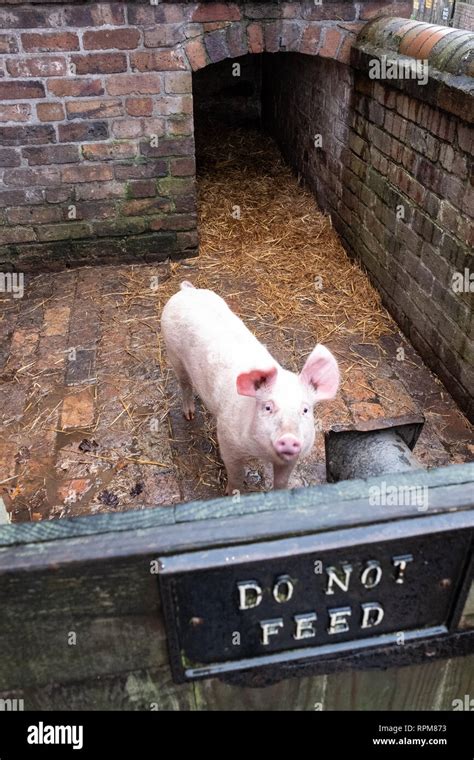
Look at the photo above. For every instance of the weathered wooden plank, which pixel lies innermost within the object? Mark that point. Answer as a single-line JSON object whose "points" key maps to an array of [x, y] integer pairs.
{"points": [[360, 535], [137, 690], [113, 607], [249, 504], [66, 649], [294, 694], [106, 588], [329, 493], [52, 530], [430, 686], [453, 503]]}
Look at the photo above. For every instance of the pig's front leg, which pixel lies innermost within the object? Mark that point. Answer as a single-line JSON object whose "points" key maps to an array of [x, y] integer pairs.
{"points": [[234, 465], [235, 474], [281, 474]]}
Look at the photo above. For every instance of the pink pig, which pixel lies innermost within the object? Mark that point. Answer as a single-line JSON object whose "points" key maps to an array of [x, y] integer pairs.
{"points": [[262, 410]]}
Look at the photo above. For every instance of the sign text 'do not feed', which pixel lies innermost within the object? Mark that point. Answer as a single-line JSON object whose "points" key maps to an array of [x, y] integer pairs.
{"points": [[249, 606]]}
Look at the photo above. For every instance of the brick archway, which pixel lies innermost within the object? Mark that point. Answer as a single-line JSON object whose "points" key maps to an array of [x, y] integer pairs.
{"points": [[98, 112], [232, 37]]}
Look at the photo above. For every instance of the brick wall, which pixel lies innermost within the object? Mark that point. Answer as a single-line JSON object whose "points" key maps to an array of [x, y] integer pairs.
{"points": [[394, 173], [463, 16], [97, 142], [96, 128]]}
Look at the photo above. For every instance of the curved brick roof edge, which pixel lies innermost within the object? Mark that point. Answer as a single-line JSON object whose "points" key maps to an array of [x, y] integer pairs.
{"points": [[446, 49]]}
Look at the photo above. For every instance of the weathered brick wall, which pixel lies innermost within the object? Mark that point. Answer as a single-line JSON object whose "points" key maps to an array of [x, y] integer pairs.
{"points": [[394, 174], [97, 142], [96, 129], [85, 88], [304, 98], [463, 17]]}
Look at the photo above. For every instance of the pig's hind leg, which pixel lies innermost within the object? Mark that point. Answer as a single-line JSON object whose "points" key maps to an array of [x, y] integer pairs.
{"points": [[187, 393]]}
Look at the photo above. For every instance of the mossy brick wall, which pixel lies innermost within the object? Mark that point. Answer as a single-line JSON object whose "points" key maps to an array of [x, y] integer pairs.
{"points": [[419, 159], [393, 171], [84, 88]]}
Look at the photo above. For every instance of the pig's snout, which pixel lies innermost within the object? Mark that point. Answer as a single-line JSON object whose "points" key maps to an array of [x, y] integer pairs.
{"points": [[287, 446]]}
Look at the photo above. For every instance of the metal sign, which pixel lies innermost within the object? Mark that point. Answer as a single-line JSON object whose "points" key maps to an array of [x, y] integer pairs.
{"points": [[305, 598], [263, 604]]}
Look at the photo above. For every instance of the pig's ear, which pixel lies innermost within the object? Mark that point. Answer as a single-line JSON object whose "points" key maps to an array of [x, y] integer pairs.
{"points": [[321, 373], [248, 383]]}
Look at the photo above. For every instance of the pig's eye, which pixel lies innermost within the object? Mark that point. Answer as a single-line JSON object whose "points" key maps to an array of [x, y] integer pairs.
{"points": [[305, 409], [269, 407]]}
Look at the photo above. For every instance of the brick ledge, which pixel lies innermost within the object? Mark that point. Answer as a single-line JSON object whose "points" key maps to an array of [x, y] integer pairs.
{"points": [[449, 53]]}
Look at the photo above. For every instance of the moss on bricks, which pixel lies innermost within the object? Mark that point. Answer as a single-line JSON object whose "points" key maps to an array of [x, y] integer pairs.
{"points": [[170, 186]]}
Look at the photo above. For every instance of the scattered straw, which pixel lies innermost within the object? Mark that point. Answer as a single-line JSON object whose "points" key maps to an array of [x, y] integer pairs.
{"points": [[267, 248], [281, 260]]}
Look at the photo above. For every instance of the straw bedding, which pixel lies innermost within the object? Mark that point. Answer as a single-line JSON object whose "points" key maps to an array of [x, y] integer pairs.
{"points": [[266, 246]]}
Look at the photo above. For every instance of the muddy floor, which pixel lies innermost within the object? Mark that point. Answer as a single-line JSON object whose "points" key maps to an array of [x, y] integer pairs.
{"points": [[90, 416]]}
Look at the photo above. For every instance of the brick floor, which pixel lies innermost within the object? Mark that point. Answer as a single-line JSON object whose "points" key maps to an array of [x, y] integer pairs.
{"points": [[91, 420]]}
